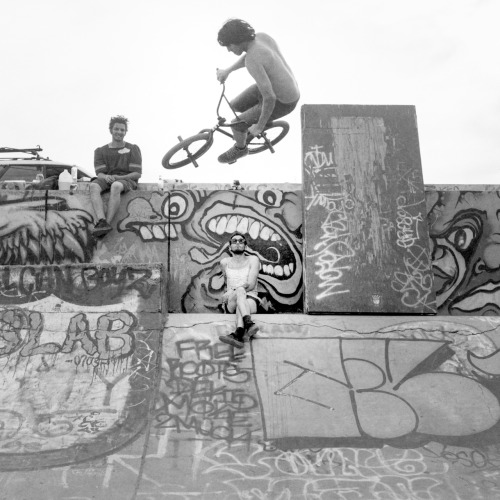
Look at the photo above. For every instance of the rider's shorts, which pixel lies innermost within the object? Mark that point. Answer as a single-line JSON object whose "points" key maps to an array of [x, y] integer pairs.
{"points": [[252, 98], [281, 109]]}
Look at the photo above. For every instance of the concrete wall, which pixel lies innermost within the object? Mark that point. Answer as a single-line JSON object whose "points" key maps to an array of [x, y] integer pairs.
{"points": [[55, 228], [185, 229], [103, 395]]}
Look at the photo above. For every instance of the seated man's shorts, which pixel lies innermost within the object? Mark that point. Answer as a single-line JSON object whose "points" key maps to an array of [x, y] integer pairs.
{"points": [[128, 184]]}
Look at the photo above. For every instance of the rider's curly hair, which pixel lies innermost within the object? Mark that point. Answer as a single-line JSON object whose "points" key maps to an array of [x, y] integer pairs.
{"points": [[118, 119], [235, 31]]}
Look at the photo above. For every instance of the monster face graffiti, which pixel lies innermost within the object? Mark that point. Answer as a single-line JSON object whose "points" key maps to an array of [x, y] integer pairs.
{"points": [[38, 229], [270, 219], [465, 238]]}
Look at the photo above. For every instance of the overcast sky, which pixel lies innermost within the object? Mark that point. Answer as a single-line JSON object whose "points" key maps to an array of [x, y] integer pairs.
{"points": [[67, 66]]}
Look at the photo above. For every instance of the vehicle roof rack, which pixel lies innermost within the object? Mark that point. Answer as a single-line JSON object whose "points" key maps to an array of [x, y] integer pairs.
{"points": [[32, 151]]}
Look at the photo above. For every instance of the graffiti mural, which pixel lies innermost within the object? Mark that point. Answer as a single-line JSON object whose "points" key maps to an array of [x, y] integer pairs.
{"points": [[42, 228], [84, 284], [67, 399], [78, 357], [204, 389], [317, 407], [364, 211], [465, 242], [193, 227], [328, 407]]}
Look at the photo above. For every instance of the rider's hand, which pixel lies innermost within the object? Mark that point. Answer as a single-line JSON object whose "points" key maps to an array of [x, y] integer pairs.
{"points": [[222, 75], [255, 130]]}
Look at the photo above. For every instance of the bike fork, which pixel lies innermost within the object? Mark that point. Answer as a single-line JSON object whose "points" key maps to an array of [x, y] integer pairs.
{"points": [[188, 153]]}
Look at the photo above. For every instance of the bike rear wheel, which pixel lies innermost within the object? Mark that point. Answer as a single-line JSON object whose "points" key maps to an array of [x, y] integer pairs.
{"points": [[275, 131], [182, 154]]}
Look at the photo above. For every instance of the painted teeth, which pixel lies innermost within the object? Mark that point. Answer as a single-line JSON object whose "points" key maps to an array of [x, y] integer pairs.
{"points": [[157, 232], [232, 224], [228, 225], [277, 270], [265, 233], [242, 226], [254, 230], [221, 225]]}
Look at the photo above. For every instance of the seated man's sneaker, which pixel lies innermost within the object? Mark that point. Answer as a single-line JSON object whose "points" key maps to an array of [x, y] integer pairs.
{"points": [[231, 339], [101, 228], [233, 154]]}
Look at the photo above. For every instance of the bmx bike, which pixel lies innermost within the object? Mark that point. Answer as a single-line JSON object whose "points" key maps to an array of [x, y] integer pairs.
{"points": [[190, 149]]}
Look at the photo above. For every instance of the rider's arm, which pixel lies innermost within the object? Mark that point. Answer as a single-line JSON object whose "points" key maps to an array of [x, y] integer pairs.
{"points": [[259, 74], [222, 74]]}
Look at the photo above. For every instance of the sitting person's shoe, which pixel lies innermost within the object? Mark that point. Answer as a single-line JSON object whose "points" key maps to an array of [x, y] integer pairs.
{"points": [[101, 228], [250, 330], [233, 154], [232, 339]]}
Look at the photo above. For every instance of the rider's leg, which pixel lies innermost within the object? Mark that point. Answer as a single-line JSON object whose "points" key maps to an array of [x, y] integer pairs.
{"points": [[249, 98], [246, 105]]}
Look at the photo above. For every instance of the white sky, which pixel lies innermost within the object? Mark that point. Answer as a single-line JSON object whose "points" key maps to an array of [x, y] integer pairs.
{"points": [[67, 66]]}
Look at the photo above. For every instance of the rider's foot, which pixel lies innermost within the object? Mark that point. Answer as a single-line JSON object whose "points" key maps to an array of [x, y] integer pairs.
{"points": [[233, 154]]}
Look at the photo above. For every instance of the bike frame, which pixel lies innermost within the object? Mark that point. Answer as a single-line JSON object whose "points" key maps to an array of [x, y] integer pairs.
{"points": [[208, 133], [221, 121]]}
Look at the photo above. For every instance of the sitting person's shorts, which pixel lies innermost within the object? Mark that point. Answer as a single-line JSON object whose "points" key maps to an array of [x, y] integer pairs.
{"points": [[128, 184]]}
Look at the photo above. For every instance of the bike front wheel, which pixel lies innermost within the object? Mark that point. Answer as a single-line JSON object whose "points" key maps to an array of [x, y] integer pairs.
{"points": [[275, 131], [188, 150]]}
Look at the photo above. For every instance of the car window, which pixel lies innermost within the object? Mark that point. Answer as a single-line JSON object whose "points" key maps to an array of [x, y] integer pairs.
{"points": [[51, 171], [18, 173]]}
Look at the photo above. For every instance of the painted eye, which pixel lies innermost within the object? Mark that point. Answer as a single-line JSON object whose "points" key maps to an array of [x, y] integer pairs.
{"points": [[270, 197], [462, 238], [176, 207]]}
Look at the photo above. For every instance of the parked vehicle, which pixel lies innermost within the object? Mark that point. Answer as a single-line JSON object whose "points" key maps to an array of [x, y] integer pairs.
{"points": [[26, 168]]}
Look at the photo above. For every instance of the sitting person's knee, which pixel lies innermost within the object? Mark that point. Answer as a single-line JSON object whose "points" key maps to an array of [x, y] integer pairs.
{"points": [[116, 187], [95, 187]]}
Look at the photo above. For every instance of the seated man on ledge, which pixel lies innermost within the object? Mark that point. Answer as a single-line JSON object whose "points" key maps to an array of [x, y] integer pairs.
{"points": [[275, 92], [240, 273], [118, 166]]}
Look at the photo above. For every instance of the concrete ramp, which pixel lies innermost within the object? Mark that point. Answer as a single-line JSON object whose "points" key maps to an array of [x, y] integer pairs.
{"points": [[316, 407]]}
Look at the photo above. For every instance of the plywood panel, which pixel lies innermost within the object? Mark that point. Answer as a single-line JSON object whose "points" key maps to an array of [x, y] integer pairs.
{"points": [[366, 241]]}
